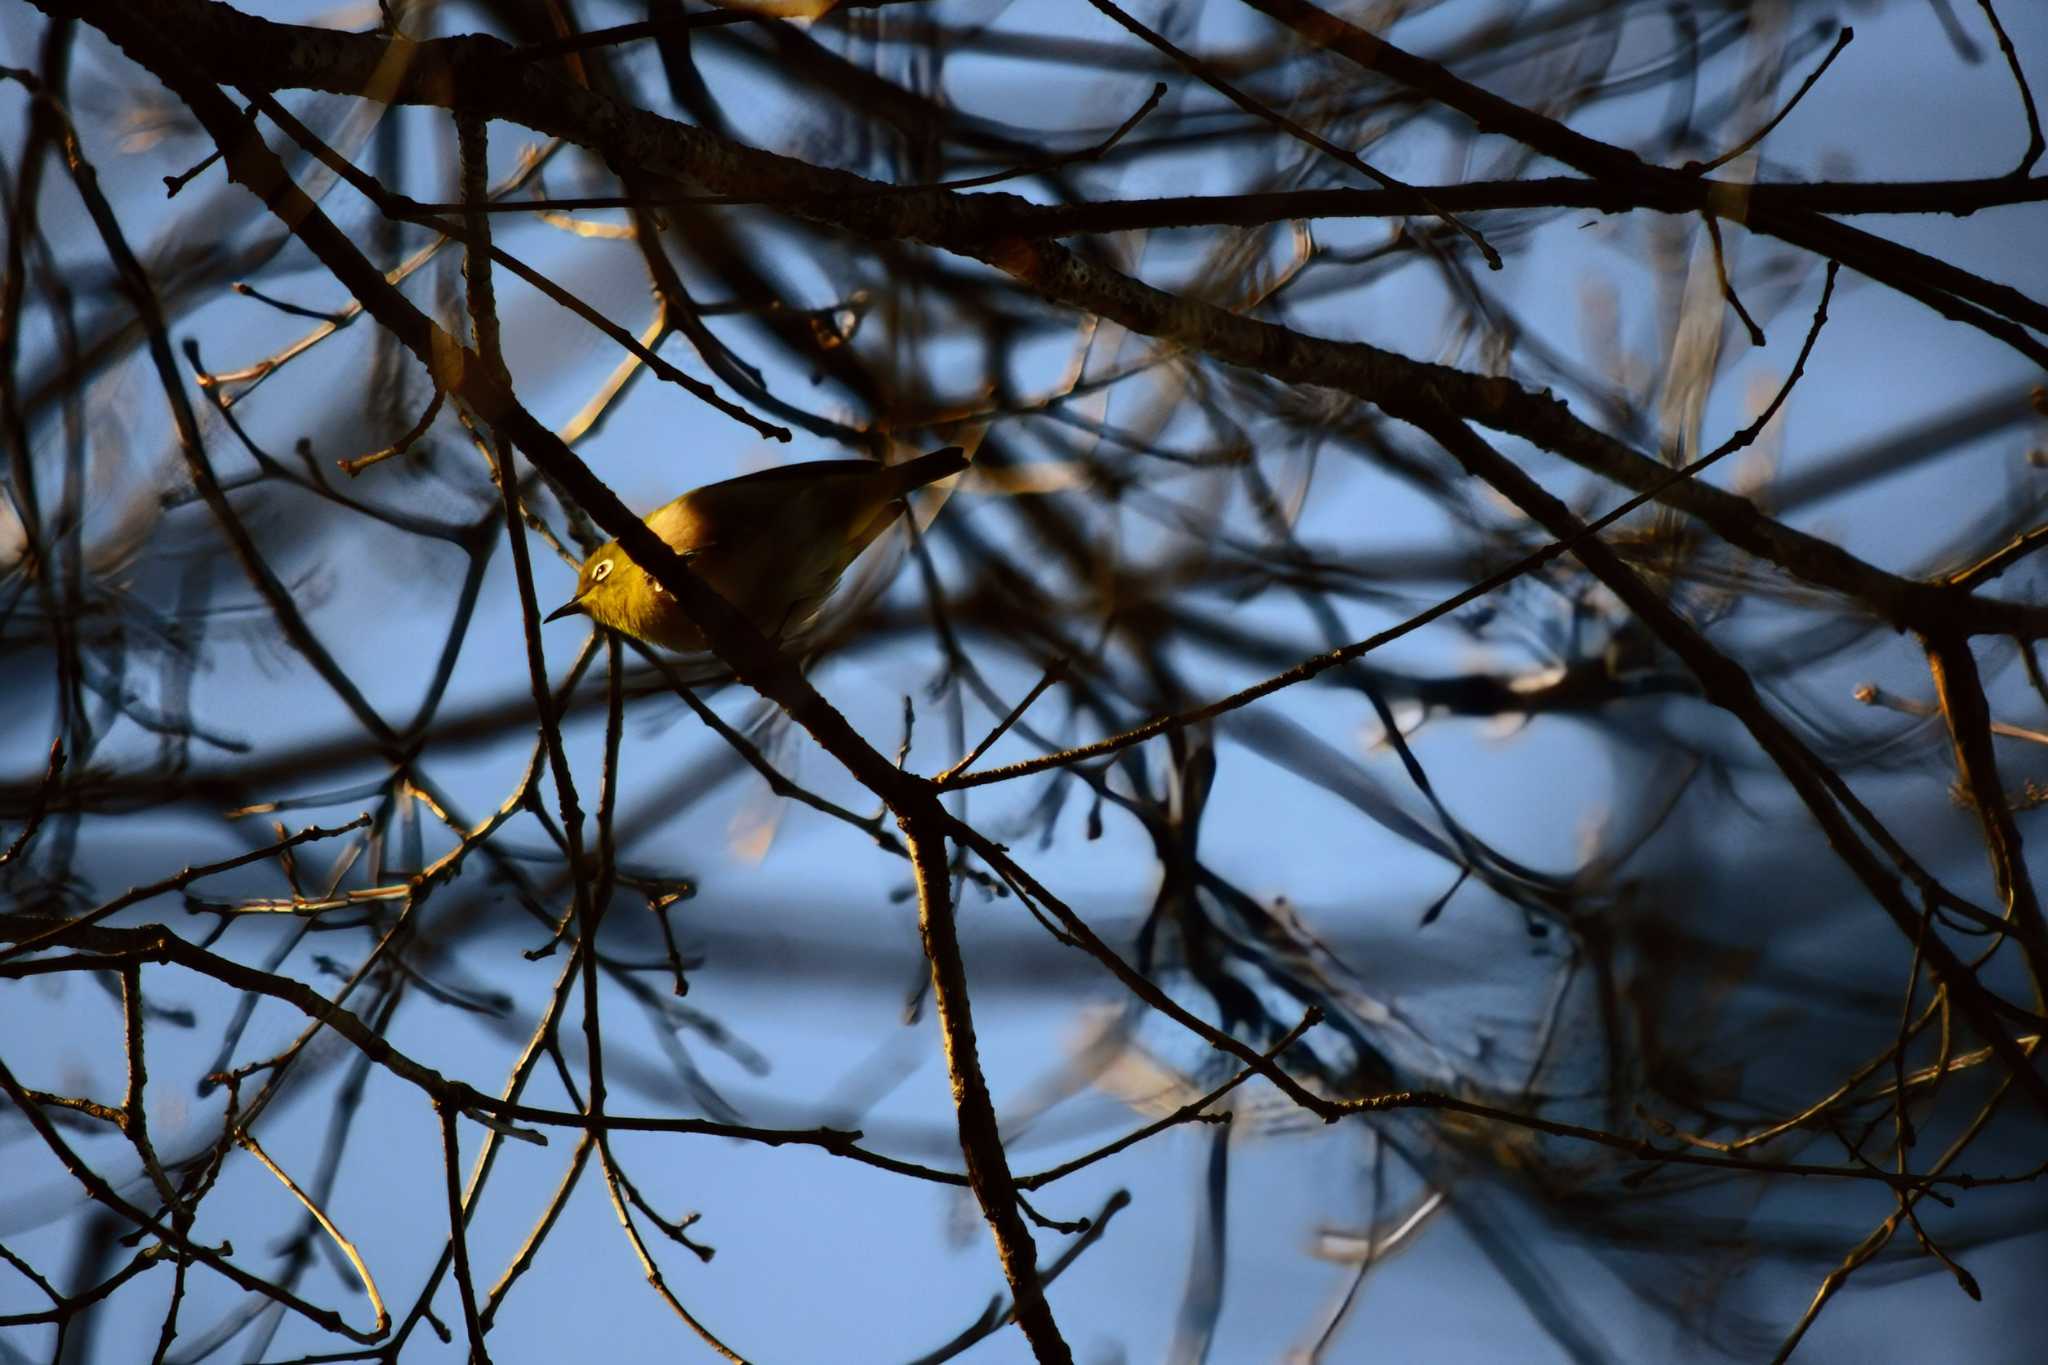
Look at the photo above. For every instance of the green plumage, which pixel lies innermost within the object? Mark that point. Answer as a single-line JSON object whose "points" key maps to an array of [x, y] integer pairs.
{"points": [[773, 544]]}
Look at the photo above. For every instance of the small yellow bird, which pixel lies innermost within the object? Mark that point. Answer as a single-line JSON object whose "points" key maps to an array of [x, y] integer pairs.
{"points": [[773, 544]]}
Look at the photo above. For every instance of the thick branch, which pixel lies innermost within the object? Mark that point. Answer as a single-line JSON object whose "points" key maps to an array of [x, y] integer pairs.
{"points": [[981, 1140]]}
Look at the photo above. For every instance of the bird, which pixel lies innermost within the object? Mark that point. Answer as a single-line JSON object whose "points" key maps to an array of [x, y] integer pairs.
{"points": [[773, 544]]}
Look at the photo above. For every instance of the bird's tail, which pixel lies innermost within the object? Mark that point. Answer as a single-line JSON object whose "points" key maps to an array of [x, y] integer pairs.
{"points": [[913, 474]]}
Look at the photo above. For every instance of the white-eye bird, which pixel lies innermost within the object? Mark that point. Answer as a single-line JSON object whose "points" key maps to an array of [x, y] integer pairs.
{"points": [[773, 544]]}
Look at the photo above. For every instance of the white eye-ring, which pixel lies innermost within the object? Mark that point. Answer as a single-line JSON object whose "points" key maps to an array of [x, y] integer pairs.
{"points": [[602, 571]]}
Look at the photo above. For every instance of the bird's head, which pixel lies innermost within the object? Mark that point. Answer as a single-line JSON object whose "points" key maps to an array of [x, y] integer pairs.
{"points": [[611, 590]]}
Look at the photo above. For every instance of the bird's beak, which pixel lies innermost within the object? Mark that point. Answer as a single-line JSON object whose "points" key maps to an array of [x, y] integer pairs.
{"points": [[568, 608]]}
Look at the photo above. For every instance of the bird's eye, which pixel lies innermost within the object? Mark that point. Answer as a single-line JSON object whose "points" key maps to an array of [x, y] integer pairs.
{"points": [[602, 571]]}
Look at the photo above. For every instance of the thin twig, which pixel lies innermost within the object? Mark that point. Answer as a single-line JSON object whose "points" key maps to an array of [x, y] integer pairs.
{"points": [[140, 894], [1842, 40], [2035, 145], [2001, 559], [1193, 1110], [39, 804], [465, 1283], [1756, 333], [247, 1142], [357, 465], [1053, 674], [997, 1315]]}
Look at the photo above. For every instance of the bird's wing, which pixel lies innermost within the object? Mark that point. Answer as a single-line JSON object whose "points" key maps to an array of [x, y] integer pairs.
{"points": [[689, 524]]}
